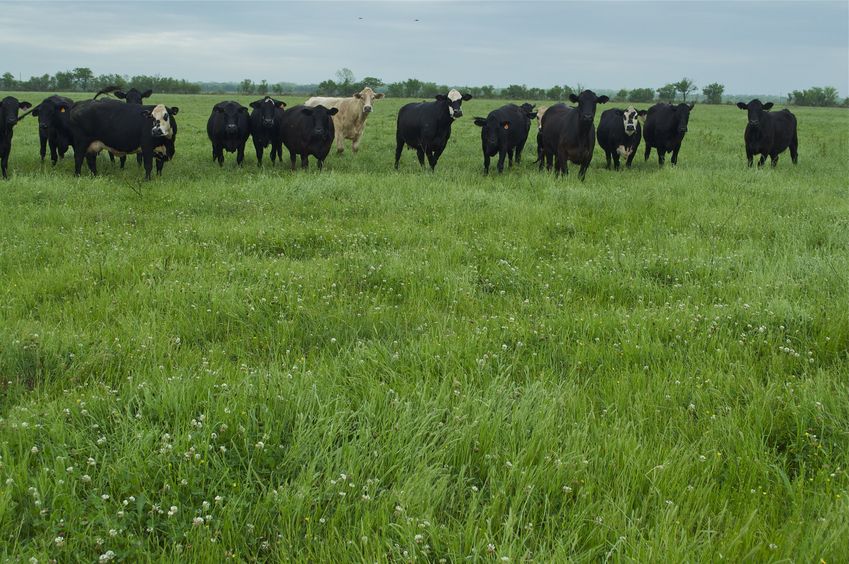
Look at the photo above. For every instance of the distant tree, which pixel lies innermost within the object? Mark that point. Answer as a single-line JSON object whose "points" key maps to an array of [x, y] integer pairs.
{"points": [[814, 96], [8, 81], [685, 86], [554, 93], [82, 76], [568, 90], [277, 88], [536, 93], [487, 91], [246, 86], [344, 78], [621, 96], [64, 81], [666, 93], [515, 92], [412, 88], [846, 102], [262, 87], [396, 90], [713, 93], [372, 82], [431, 89], [327, 88], [641, 95]]}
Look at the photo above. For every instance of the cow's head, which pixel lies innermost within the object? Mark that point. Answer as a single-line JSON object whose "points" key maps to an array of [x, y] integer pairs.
{"points": [[49, 109], [133, 96], [631, 118], [756, 111], [9, 107], [682, 116], [528, 110], [267, 109], [455, 100], [231, 113], [368, 96], [162, 120], [587, 102], [490, 128], [540, 113], [321, 122]]}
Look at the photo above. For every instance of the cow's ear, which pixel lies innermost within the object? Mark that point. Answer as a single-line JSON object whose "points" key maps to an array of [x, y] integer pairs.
{"points": [[480, 122], [120, 94], [146, 93], [467, 97], [602, 100], [379, 96], [743, 105], [642, 113], [147, 113], [332, 111], [217, 108], [306, 111], [358, 96], [35, 111], [532, 115], [24, 105], [256, 104], [768, 106], [441, 97], [573, 98], [174, 110], [281, 105], [692, 105], [243, 109]]}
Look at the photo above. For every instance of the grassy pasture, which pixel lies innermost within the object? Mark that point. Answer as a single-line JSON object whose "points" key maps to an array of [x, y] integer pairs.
{"points": [[370, 365]]}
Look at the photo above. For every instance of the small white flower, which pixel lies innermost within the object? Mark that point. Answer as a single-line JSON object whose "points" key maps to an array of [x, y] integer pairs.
{"points": [[172, 511], [418, 539], [107, 556], [59, 541], [197, 521], [105, 497], [218, 499], [34, 450], [113, 533]]}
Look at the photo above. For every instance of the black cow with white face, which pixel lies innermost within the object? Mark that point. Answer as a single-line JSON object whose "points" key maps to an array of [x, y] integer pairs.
{"points": [[228, 128], [50, 133], [121, 129], [769, 134], [9, 108], [266, 127], [619, 134], [308, 131], [665, 128], [576, 133], [426, 126], [504, 132]]}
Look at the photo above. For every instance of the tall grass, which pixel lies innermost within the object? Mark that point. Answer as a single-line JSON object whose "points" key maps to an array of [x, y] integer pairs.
{"points": [[370, 365]]}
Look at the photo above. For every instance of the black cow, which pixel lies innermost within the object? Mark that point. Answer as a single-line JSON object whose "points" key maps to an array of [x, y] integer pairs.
{"points": [[548, 137], [9, 107], [131, 96], [266, 127], [665, 128], [121, 129], [576, 133], [619, 134], [504, 132], [769, 133], [49, 132], [426, 126], [228, 128], [308, 131]]}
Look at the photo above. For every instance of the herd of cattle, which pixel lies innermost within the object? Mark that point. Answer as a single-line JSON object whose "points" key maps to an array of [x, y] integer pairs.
{"points": [[565, 134]]}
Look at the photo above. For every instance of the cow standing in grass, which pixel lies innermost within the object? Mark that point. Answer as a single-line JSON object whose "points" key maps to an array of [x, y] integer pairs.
{"points": [[266, 127], [228, 128], [308, 132], [50, 134], [426, 126], [619, 134], [504, 132], [9, 107], [574, 132], [769, 134], [350, 121], [665, 128]]}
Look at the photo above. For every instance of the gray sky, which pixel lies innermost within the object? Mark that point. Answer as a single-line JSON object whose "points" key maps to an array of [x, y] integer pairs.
{"points": [[751, 47]]}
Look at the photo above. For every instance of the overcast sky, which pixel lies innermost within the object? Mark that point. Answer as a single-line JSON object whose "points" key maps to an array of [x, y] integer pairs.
{"points": [[752, 47]]}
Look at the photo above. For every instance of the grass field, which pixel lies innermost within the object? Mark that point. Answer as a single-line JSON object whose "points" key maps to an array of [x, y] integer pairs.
{"points": [[370, 365]]}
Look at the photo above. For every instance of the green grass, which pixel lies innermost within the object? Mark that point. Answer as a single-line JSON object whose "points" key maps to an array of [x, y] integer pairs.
{"points": [[370, 365]]}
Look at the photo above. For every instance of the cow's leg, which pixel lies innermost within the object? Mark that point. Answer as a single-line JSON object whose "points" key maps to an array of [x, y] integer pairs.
{"points": [[218, 154], [79, 155], [43, 149], [147, 161], [399, 147], [631, 158], [661, 156], [138, 159], [4, 162], [549, 160], [762, 160], [501, 155], [582, 172], [159, 164], [774, 158], [749, 157], [355, 144], [509, 159], [648, 152], [111, 158], [794, 149], [293, 158], [675, 155], [485, 162], [421, 156], [340, 143], [123, 161], [259, 150], [240, 154], [433, 156], [615, 160], [54, 154], [91, 160], [519, 149], [304, 161], [607, 157], [319, 163]]}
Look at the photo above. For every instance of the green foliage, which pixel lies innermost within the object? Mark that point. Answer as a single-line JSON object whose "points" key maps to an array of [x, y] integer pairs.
{"points": [[685, 86], [641, 95], [649, 366], [815, 96], [247, 86], [667, 93], [621, 96], [84, 80], [713, 93]]}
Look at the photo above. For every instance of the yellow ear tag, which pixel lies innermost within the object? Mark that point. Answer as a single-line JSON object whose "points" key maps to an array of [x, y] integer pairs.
{"points": [[61, 110]]}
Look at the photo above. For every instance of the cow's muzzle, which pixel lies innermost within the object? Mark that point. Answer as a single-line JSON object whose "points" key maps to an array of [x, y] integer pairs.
{"points": [[754, 122], [231, 128], [268, 123], [587, 117], [458, 113], [367, 109], [157, 132], [630, 129]]}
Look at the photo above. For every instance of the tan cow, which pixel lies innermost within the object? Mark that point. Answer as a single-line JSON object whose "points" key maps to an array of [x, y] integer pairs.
{"points": [[350, 122]]}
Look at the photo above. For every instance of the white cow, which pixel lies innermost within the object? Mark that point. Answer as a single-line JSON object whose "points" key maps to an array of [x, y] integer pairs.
{"points": [[350, 122]]}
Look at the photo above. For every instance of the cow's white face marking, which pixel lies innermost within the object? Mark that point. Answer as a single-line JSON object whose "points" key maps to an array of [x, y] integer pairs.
{"points": [[453, 96], [629, 119], [163, 120]]}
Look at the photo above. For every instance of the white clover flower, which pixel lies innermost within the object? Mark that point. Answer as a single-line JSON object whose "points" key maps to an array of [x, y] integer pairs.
{"points": [[197, 521], [172, 511], [113, 533], [86, 478], [59, 541], [34, 450], [107, 556]]}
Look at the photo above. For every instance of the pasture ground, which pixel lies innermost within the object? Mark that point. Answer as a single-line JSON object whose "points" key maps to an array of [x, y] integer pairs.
{"points": [[370, 365]]}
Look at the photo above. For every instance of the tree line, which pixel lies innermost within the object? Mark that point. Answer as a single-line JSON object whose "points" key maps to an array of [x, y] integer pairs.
{"points": [[83, 79]]}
